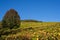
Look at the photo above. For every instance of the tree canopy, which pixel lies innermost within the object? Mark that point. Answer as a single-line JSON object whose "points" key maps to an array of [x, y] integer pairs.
{"points": [[11, 19]]}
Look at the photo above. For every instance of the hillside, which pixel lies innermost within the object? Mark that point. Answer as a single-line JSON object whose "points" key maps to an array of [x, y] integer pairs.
{"points": [[35, 30], [30, 21]]}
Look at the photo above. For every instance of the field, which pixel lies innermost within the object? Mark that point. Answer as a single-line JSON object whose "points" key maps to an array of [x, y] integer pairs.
{"points": [[34, 31]]}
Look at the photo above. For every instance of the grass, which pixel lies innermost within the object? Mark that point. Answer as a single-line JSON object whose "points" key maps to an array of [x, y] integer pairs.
{"points": [[34, 30]]}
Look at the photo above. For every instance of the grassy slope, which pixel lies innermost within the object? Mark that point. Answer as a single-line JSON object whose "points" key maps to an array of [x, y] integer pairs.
{"points": [[37, 24], [47, 26], [41, 29]]}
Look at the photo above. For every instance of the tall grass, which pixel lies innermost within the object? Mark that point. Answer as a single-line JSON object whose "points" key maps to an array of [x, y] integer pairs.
{"points": [[34, 31]]}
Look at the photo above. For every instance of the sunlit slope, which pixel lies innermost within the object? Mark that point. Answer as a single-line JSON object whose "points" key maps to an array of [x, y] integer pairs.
{"points": [[45, 30], [29, 29], [38, 24]]}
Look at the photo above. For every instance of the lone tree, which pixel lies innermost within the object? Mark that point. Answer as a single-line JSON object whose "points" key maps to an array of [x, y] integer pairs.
{"points": [[11, 19]]}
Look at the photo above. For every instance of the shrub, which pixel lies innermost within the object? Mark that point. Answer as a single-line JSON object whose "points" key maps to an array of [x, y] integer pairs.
{"points": [[11, 19]]}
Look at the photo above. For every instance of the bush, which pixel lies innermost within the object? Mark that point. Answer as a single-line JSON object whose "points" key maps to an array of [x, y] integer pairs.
{"points": [[11, 19]]}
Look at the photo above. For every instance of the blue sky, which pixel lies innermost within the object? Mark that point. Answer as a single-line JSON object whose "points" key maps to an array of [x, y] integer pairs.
{"points": [[42, 10]]}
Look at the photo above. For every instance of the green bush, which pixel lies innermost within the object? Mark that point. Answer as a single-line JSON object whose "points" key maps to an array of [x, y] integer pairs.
{"points": [[11, 19]]}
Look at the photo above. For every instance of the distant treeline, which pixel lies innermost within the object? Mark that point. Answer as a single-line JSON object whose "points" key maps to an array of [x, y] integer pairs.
{"points": [[31, 21]]}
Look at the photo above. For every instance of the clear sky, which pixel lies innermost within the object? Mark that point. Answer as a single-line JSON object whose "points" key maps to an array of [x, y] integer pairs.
{"points": [[42, 10]]}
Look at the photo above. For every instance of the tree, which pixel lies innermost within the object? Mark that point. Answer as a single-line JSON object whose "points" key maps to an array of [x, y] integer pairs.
{"points": [[11, 19]]}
